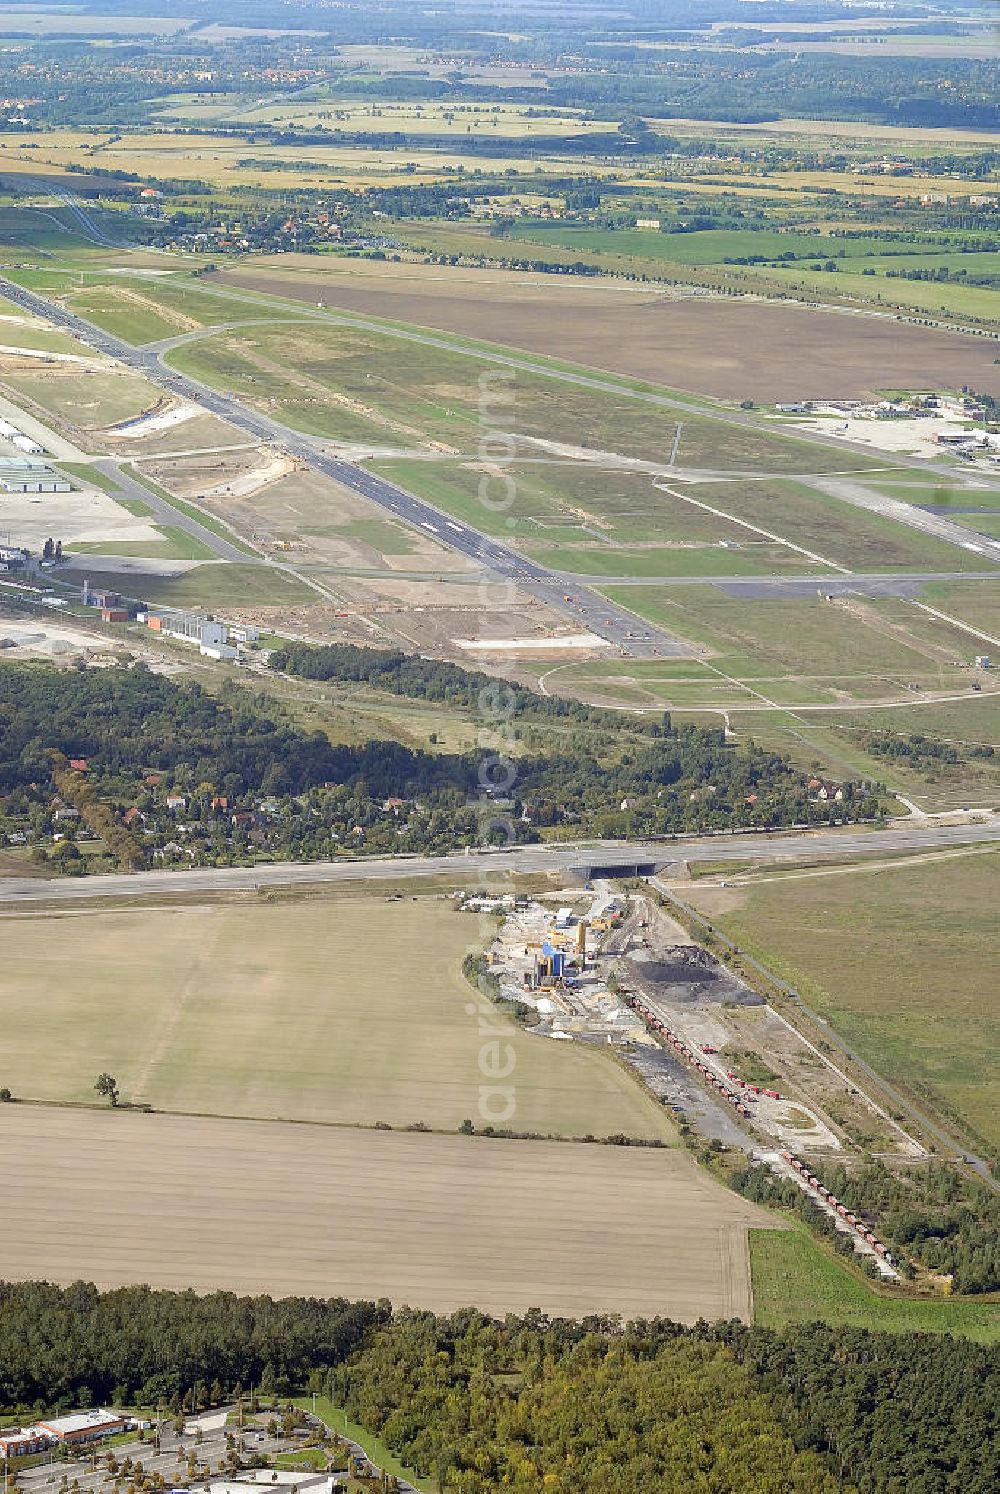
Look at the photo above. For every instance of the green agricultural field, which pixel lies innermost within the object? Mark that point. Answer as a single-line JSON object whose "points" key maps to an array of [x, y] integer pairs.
{"points": [[947, 298], [974, 263], [113, 308], [843, 649], [218, 584], [89, 401], [454, 237], [717, 257], [712, 246], [350, 1010], [837, 531], [876, 952], [796, 1281]]}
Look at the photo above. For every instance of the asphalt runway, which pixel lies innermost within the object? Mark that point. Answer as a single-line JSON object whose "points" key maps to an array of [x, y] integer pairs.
{"points": [[591, 612]]}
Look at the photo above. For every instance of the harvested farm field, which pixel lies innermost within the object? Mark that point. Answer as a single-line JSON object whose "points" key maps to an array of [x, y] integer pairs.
{"points": [[344, 1010], [720, 347], [434, 1221]]}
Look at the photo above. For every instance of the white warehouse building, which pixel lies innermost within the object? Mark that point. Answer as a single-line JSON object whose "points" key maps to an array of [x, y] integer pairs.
{"points": [[21, 475]]}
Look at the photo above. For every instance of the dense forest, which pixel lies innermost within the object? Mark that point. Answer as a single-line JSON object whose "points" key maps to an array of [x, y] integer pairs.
{"points": [[531, 1404], [78, 1346], [154, 768]]}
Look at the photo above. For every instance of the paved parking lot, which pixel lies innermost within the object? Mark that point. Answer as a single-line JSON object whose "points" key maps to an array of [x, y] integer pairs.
{"points": [[204, 1438]]}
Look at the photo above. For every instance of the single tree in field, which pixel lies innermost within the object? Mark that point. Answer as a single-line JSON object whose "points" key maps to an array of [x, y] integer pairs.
{"points": [[107, 1085]]}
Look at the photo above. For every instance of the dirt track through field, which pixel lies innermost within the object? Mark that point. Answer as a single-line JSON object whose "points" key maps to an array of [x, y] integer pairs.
{"points": [[729, 349], [434, 1221]]}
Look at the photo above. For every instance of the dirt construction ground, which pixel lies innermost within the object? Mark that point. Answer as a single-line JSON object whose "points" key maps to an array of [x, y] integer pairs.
{"points": [[719, 347], [434, 1221]]}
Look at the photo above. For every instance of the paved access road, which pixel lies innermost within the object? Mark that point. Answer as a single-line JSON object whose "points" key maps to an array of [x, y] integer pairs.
{"points": [[781, 846], [592, 612], [165, 513]]}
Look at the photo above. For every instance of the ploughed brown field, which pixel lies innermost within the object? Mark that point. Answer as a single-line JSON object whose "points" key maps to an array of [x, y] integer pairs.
{"points": [[433, 1221], [727, 349]]}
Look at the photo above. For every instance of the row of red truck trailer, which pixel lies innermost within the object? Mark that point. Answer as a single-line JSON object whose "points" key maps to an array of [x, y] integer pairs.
{"points": [[753, 1089], [656, 1025], [695, 1060], [858, 1225]]}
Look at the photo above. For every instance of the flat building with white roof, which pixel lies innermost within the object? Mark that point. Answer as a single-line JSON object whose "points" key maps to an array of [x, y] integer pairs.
{"points": [[21, 475], [83, 1426]]}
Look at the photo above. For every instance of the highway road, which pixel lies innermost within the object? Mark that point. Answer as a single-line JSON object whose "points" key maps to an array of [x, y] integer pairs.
{"points": [[827, 844], [591, 612]]}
